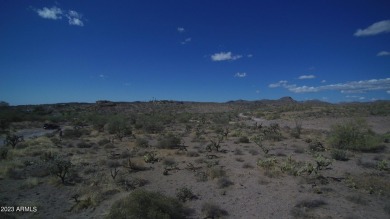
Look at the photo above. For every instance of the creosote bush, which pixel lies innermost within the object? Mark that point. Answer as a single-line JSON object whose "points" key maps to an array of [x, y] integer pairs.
{"points": [[354, 135], [340, 155], [147, 205], [169, 141]]}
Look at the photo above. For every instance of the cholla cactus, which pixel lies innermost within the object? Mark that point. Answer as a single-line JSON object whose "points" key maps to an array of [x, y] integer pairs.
{"points": [[150, 157], [259, 141]]}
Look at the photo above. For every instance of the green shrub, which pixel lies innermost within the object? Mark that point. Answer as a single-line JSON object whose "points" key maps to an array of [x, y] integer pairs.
{"points": [[184, 194], [169, 141], [267, 163], [147, 205], [340, 155], [316, 146], [354, 135], [297, 130], [59, 166], [119, 127]]}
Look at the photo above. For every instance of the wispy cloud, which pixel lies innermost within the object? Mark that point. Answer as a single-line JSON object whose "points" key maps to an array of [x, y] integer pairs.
{"points": [[224, 56], [383, 53], [323, 81], [75, 18], [282, 83], [250, 55], [374, 29], [302, 77], [240, 75], [187, 40], [180, 29], [53, 13], [362, 86]]}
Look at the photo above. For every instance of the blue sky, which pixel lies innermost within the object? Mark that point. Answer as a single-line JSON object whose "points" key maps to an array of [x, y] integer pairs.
{"points": [[83, 51]]}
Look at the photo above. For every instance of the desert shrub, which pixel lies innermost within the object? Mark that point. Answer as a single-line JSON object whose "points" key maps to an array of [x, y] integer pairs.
{"points": [[303, 208], [119, 127], [247, 166], [369, 182], [59, 166], [141, 142], [169, 141], [113, 164], [84, 144], [148, 205], [3, 153], [272, 132], [299, 150], [201, 176], [103, 142], [13, 140], [98, 121], [216, 172], [354, 135], [316, 146], [184, 194], [322, 162], [170, 163], [340, 155], [243, 139], [192, 154], [291, 166], [150, 157], [297, 130], [382, 165], [267, 163], [254, 152], [210, 210], [72, 133], [238, 152], [224, 182], [366, 163]]}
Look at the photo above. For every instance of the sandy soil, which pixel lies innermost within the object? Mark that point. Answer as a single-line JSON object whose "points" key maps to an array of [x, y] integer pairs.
{"points": [[254, 192]]}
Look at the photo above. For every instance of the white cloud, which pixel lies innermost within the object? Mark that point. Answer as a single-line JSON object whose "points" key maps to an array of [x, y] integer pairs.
{"points": [[351, 87], [53, 13], [388, 91], [306, 77], [240, 75], [75, 18], [180, 29], [187, 40], [249, 55], [282, 83], [56, 13], [374, 29], [323, 81], [383, 53], [224, 56]]}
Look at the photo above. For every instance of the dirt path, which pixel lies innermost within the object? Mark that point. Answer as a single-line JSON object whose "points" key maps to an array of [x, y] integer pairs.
{"points": [[29, 133]]}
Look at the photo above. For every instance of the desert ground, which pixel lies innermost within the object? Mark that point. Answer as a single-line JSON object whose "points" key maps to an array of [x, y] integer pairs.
{"points": [[169, 159]]}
